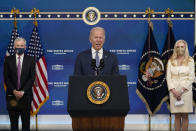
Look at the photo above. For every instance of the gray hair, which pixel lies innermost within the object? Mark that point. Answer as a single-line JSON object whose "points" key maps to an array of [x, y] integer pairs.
{"points": [[95, 28], [20, 39]]}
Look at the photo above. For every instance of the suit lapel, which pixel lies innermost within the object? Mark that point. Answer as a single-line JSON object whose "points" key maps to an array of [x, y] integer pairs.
{"points": [[23, 67], [89, 55], [105, 55], [14, 63]]}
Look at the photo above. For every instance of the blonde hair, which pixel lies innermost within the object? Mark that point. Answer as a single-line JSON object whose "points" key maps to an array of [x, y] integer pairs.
{"points": [[187, 57]]}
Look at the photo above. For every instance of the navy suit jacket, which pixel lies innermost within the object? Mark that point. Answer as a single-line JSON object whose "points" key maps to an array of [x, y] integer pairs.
{"points": [[26, 80], [84, 60]]}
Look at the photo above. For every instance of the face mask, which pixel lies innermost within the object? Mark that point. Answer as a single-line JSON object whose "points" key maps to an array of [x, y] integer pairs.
{"points": [[19, 51], [181, 51]]}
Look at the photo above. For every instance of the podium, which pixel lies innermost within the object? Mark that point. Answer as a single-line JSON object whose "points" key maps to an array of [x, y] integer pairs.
{"points": [[89, 116]]}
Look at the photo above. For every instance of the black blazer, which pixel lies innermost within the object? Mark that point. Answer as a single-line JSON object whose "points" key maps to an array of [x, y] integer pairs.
{"points": [[84, 59], [27, 76]]}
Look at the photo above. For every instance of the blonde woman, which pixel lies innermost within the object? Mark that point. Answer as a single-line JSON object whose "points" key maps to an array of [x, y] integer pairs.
{"points": [[180, 76]]}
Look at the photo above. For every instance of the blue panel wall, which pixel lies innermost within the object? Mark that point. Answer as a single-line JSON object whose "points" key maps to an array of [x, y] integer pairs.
{"points": [[63, 40]]}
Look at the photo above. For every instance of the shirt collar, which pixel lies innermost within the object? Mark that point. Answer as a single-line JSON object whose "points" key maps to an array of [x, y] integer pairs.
{"points": [[94, 51], [21, 56]]}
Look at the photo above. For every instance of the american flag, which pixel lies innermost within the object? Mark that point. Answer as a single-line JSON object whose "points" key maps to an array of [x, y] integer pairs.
{"points": [[10, 48], [40, 87]]}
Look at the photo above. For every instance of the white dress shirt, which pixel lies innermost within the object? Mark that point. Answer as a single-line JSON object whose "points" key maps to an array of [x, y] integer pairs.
{"points": [[100, 53]]}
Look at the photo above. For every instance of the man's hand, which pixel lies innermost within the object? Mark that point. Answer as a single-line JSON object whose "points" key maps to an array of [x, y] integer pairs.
{"points": [[18, 94], [21, 94]]}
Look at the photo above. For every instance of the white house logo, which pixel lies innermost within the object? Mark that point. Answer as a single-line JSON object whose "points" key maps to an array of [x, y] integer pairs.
{"points": [[57, 67], [57, 103], [91, 16], [58, 84], [123, 51], [124, 67], [60, 51]]}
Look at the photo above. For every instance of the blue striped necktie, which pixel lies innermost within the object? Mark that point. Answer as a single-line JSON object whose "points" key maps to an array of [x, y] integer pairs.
{"points": [[97, 59]]}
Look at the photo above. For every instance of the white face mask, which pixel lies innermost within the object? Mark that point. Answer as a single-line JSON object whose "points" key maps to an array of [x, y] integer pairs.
{"points": [[181, 49]]}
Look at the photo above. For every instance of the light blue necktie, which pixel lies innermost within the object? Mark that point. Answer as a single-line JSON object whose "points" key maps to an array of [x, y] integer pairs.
{"points": [[97, 59]]}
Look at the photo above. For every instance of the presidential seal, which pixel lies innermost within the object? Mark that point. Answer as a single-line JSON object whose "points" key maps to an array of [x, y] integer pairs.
{"points": [[151, 72], [91, 16], [98, 92]]}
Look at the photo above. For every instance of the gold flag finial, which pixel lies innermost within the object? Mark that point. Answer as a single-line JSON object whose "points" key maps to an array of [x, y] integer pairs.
{"points": [[15, 11], [149, 12], [169, 12], [35, 12]]}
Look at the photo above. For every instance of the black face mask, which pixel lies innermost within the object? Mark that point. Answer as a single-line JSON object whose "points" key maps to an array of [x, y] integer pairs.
{"points": [[19, 51]]}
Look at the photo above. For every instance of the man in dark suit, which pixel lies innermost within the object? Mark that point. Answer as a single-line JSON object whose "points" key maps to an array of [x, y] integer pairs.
{"points": [[83, 65], [19, 76]]}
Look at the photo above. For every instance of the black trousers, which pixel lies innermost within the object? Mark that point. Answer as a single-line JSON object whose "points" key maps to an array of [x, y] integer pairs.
{"points": [[25, 117]]}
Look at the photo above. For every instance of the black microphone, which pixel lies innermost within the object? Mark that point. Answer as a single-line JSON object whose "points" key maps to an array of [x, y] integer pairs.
{"points": [[101, 64], [93, 64], [95, 68]]}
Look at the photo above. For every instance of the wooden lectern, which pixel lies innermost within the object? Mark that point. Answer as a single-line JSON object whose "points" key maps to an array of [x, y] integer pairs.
{"points": [[88, 116]]}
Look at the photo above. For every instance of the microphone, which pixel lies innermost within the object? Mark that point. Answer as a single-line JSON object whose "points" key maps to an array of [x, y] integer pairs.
{"points": [[95, 68], [93, 64], [101, 64]]}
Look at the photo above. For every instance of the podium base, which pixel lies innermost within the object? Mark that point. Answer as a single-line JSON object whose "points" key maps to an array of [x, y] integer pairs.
{"points": [[98, 123]]}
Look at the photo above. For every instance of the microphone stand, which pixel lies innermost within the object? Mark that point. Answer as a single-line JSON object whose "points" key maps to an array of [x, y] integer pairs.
{"points": [[95, 68]]}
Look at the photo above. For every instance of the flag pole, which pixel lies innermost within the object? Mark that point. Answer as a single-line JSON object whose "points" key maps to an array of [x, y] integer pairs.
{"points": [[170, 122], [150, 25], [169, 12], [149, 12], [149, 122], [36, 122], [15, 12], [35, 12]]}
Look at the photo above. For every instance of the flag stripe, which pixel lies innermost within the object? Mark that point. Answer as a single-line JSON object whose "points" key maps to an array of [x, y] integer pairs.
{"points": [[44, 67], [41, 74], [37, 95], [40, 88], [35, 98], [34, 103], [40, 82]]}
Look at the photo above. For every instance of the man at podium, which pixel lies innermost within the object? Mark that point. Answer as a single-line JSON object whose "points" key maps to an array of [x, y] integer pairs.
{"points": [[98, 95], [96, 61]]}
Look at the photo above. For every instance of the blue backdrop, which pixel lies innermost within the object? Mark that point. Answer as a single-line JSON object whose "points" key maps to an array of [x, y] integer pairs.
{"points": [[63, 40]]}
